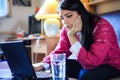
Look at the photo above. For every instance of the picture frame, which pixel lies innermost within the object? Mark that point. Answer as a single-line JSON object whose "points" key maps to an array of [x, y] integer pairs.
{"points": [[26, 3]]}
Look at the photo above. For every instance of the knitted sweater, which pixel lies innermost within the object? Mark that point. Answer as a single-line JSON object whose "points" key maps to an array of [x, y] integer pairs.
{"points": [[104, 50]]}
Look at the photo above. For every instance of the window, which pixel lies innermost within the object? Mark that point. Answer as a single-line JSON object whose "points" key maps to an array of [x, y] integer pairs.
{"points": [[4, 8]]}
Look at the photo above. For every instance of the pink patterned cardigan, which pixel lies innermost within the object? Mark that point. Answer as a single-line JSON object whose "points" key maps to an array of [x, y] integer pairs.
{"points": [[104, 50]]}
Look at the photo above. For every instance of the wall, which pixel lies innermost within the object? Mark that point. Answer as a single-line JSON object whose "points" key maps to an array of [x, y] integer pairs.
{"points": [[114, 19], [19, 18]]}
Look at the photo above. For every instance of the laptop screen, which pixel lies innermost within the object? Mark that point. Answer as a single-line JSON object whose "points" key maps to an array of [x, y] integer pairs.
{"points": [[18, 59]]}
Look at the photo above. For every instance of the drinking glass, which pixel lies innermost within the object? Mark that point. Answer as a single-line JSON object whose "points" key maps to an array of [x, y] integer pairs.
{"points": [[58, 66]]}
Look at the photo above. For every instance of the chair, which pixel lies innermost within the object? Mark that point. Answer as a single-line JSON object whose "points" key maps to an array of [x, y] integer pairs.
{"points": [[118, 37]]}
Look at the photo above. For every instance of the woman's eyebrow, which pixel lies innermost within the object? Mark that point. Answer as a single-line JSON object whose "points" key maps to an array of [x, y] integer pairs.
{"points": [[67, 13]]}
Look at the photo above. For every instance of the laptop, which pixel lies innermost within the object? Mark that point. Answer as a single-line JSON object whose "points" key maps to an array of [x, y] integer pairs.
{"points": [[20, 63]]}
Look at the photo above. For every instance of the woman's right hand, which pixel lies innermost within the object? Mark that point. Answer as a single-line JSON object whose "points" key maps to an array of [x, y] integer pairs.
{"points": [[38, 67], [77, 27]]}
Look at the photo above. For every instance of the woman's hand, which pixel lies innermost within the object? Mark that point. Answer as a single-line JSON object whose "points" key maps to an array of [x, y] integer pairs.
{"points": [[38, 67], [77, 27]]}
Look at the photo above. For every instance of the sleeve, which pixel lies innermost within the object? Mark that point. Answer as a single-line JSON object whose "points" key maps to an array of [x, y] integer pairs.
{"points": [[75, 48], [45, 65], [62, 46], [99, 48]]}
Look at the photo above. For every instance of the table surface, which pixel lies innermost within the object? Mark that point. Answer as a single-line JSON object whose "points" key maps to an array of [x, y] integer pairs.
{"points": [[5, 73], [4, 65]]}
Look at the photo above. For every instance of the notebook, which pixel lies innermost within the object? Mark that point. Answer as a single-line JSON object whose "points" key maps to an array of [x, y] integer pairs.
{"points": [[19, 61]]}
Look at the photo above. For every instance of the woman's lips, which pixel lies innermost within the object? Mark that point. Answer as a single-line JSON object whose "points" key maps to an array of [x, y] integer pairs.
{"points": [[68, 27]]}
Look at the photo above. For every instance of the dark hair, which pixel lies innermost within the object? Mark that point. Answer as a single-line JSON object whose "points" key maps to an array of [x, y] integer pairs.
{"points": [[87, 19]]}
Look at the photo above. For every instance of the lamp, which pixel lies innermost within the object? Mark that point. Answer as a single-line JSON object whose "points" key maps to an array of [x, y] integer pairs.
{"points": [[48, 13]]}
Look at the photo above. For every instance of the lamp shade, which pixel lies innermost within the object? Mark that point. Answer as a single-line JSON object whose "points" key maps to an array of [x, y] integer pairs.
{"points": [[48, 10], [48, 13]]}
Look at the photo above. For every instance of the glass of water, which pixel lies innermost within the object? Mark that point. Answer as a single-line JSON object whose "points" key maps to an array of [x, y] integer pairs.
{"points": [[58, 66]]}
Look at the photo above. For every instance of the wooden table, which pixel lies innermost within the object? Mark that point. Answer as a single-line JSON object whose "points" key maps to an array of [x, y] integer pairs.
{"points": [[47, 44]]}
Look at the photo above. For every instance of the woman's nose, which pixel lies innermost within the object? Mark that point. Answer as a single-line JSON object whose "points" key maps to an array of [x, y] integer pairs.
{"points": [[65, 21]]}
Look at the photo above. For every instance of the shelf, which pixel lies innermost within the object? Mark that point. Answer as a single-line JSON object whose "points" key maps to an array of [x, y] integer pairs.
{"points": [[104, 6], [98, 2]]}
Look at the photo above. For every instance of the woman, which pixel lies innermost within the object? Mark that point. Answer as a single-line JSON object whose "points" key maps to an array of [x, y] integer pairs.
{"points": [[90, 39]]}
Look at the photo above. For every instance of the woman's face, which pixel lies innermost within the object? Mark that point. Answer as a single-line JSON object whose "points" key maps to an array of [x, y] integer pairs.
{"points": [[68, 17]]}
